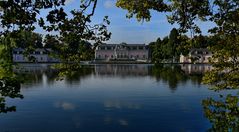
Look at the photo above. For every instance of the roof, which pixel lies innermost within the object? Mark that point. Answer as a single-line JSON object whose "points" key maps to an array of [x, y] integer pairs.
{"points": [[200, 51], [35, 50], [128, 45]]}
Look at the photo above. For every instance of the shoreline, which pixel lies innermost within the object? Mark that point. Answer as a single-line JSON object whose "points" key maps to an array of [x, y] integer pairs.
{"points": [[107, 62]]}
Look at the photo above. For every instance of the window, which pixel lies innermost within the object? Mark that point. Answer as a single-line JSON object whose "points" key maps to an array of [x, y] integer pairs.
{"points": [[141, 47], [99, 56], [112, 56], [134, 48], [37, 52], [144, 56]]}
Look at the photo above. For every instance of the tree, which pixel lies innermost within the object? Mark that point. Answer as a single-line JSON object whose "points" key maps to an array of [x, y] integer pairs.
{"points": [[19, 16], [183, 12], [173, 43], [51, 41], [186, 13], [156, 51], [75, 32], [226, 52], [26, 39], [223, 113], [200, 41]]}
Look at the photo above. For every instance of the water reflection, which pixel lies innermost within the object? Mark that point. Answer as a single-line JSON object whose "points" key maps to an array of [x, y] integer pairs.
{"points": [[116, 104], [115, 97], [65, 105], [170, 74], [195, 68], [122, 70]]}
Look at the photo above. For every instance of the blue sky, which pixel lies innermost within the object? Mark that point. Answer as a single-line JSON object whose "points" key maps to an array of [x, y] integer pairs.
{"points": [[130, 30]]}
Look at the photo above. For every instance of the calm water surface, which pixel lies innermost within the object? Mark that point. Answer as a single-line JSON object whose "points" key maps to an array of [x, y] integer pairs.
{"points": [[109, 98]]}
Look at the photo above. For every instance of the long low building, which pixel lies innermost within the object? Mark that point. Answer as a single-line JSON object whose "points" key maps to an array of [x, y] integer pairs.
{"points": [[107, 52], [197, 56], [38, 55]]}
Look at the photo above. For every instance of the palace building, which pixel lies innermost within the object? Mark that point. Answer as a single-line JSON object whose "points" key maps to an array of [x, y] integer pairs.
{"points": [[108, 52]]}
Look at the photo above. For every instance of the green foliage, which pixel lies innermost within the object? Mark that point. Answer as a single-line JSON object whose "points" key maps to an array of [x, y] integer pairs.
{"points": [[25, 39], [225, 74], [141, 8], [18, 21], [71, 71], [9, 87], [223, 113], [226, 50], [185, 13], [22, 15], [76, 31], [167, 49], [51, 41]]}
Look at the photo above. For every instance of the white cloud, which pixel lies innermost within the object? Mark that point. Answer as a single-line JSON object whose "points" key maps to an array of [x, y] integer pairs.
{"points": [[69, 1], [109, 4], [65, 105]]}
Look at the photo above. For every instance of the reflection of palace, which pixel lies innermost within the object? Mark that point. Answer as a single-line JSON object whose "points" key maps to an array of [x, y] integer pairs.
{"points": [[122, 70], [196, 68], [31, 68]]}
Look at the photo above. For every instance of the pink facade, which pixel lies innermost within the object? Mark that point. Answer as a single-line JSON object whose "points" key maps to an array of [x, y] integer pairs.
{"points": [[122, 52], [197, 56]]}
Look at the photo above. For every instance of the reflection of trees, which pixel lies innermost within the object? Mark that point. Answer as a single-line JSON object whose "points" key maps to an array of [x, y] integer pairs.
{"points": [[170, 74], [223, 113], [33, 75], [32, 78], [174, 74], [73, 72]]}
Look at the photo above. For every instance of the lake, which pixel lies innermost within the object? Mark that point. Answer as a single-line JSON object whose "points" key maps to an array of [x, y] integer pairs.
{"points": [[109, 98]]}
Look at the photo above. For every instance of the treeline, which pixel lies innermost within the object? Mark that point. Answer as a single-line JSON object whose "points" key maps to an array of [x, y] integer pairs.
{"points": [[28, 40], [172, 46]]}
